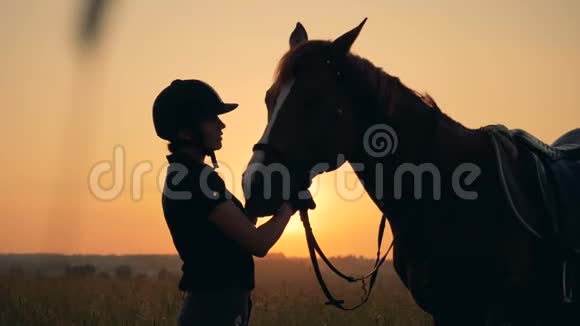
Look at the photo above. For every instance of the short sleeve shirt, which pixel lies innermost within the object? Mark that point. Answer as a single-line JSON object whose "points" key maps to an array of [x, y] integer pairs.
{"points": [[211, 260]]}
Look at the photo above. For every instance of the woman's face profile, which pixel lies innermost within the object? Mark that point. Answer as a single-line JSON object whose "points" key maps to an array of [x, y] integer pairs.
{"points": [[212, 132]]}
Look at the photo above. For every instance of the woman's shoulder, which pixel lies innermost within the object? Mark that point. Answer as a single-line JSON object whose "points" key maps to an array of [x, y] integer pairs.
{"points": [[192, 174]]}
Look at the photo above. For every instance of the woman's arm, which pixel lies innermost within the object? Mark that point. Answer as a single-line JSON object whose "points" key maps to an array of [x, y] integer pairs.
{"points": [[257, 241]]}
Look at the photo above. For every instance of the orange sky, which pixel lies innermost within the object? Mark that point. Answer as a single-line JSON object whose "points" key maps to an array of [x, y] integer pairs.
{"points": [[513, 62]]}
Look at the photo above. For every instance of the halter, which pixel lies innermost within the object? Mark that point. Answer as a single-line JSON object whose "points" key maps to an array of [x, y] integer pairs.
{"points": [[314, 248]]}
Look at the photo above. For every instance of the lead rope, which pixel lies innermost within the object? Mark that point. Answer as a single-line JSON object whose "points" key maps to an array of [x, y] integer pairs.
{"points": [[313, 249]]}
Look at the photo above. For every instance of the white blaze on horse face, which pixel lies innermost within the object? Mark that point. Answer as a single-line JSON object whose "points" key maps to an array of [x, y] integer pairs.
{"points": [[284, 92], [257, 161]]}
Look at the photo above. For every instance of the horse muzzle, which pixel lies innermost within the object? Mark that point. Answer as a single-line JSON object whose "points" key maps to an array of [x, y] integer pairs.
{"points": [[266, 187]]}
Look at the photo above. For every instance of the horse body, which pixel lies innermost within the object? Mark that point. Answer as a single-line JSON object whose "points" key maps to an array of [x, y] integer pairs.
{"points": [[461, 259], [464, 260]]}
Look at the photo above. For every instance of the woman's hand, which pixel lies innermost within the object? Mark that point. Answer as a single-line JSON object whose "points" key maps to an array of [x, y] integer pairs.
{"points": [[285, 210]]}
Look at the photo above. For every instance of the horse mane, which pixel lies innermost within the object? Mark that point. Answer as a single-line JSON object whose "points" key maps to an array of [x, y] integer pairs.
{"points": [[383, 84], [390, 88]]}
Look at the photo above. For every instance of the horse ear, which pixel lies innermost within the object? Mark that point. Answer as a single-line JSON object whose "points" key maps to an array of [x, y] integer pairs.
{"points": [[342, 44], [298, 36]]}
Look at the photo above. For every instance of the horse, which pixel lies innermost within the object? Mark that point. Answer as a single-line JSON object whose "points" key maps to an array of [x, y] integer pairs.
{"points": [[459, 248]]}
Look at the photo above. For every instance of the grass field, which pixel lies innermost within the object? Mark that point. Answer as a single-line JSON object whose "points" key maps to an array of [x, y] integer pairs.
{"points": [[286, 294]]}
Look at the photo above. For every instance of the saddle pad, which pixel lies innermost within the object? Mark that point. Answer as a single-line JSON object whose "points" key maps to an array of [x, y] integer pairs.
{"points": [[518, 182], [566, 175], [542, 190]]}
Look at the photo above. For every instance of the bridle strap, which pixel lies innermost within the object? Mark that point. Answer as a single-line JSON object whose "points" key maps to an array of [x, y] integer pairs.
{"points": [[314, 248]]}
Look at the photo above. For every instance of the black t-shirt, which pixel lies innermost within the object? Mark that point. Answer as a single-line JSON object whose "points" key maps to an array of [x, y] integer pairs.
{"points": [[210, 259]]}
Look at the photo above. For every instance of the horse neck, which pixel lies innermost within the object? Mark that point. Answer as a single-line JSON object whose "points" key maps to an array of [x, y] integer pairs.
{"points": [[424, 134], [383, 99]]}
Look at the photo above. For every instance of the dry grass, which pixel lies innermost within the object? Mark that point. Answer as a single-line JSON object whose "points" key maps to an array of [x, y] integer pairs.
{"points": [[286, 294]]}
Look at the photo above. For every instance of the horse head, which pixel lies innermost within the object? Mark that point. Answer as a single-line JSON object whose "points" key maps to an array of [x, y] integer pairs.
{"points": [[311, 121]]}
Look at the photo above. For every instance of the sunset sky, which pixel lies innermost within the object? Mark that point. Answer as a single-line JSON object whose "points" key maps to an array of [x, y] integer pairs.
{"points": [[513, 62]]}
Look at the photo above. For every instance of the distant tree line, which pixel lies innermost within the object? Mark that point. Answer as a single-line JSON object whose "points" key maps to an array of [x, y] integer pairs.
{"points": [[121, 272]]}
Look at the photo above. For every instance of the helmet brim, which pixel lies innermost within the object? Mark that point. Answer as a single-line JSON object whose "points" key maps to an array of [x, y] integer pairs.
{"points": [[226, 107]]}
